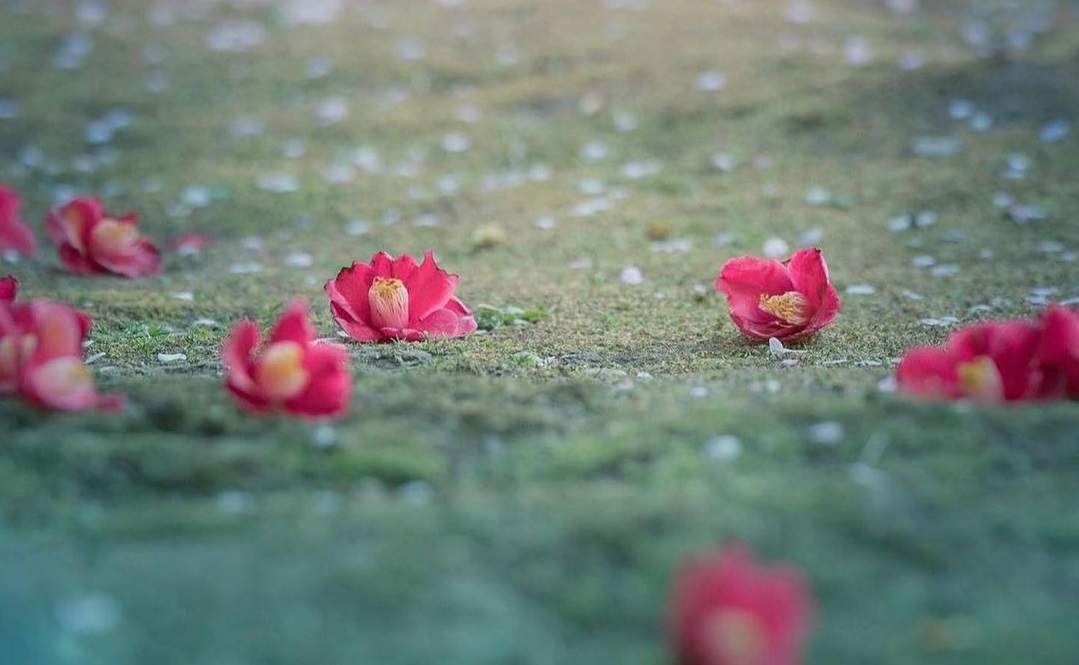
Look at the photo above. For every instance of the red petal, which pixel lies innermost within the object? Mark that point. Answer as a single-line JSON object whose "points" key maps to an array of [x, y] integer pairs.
{"points": [[141, 260], [429, 288], [330, 384], [9, 289], [294, 326], [348, 293], [929, 372], [809, 275], [744, 279], [236, 354], [1059, 350]]}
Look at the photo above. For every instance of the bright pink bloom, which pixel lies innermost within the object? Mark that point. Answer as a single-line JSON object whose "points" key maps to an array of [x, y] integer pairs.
{"points": [[89, 242], [15, 236], [1007, 361], [398, 299], [789, 301], [290, 372], [726, 610], [41, 355]]}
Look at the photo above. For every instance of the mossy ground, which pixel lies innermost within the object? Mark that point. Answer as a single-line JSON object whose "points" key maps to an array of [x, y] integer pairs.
{"points": [[524, 495]]}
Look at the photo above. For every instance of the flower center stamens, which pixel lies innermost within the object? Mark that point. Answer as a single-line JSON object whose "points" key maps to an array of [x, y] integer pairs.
{"points": [[736, 636], [280, 371], [791, 307], [980, 380], [389, 303]]}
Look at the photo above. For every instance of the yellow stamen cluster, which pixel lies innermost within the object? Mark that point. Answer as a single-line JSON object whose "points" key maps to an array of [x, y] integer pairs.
{"points": [[979, 379], [736, 636], [791, 307], [280, 371], [388, 298]]}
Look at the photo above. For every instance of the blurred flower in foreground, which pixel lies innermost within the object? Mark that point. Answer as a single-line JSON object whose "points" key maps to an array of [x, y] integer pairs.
{"points": [[999, 361], [789, 301], [90, 242], [291, 372], [726, 610], [41, 347], [398, 299], [15, 236]]}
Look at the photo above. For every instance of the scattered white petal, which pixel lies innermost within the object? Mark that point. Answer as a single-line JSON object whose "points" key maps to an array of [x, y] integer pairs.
{"points": [[245, 267], [640, 169], [856, 52], [331, 111], [1055, 131], [631, 275], [826, 433], [723, 448], [817, 196], [299, 260], [357, 227], [940, 322], [546, 223], [186, 296], [711, 81], [945, 270], [861, 289], [235, 502], [775, 247], [171, 357], [936, 147], [961, 109], [324, 436], [455, 142], [277, 181], [673, 246], [235, 36], [911, 295]]}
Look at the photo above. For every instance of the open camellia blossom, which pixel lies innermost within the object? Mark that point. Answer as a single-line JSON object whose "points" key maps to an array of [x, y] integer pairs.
{"points": [[15, 236], [291, 372], [392, 299], [789, 301], [41, 347], [1003, 361], [90, 242], [727, 610]]}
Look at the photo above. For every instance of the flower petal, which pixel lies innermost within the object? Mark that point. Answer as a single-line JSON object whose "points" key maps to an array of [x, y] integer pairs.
{"points": [[429, 288], [293, 326], [929, 372], [330, 385], [744, 279], [809, 275]]}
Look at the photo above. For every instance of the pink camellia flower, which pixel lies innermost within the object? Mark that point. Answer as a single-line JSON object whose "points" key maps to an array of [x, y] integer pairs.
{"points": [[15, 236], [290, 372], [1005, 361], [90, 242], [726, 610], [398, 299], [41, 346], [789, 301]]}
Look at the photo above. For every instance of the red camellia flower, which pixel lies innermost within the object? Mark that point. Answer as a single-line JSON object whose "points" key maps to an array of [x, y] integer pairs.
{"points": [[89, 242], [14, 235], [1004, 361], [290, 372], [789, 301], [398, 299], [726, 610], [41, 354]]}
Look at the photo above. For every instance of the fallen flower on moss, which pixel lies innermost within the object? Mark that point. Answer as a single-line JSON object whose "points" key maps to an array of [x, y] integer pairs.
{"points": [[1000, 361], [789, 301], [291, 372], [90, 242], [727, 610], [398, 299], [41, 349]]}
